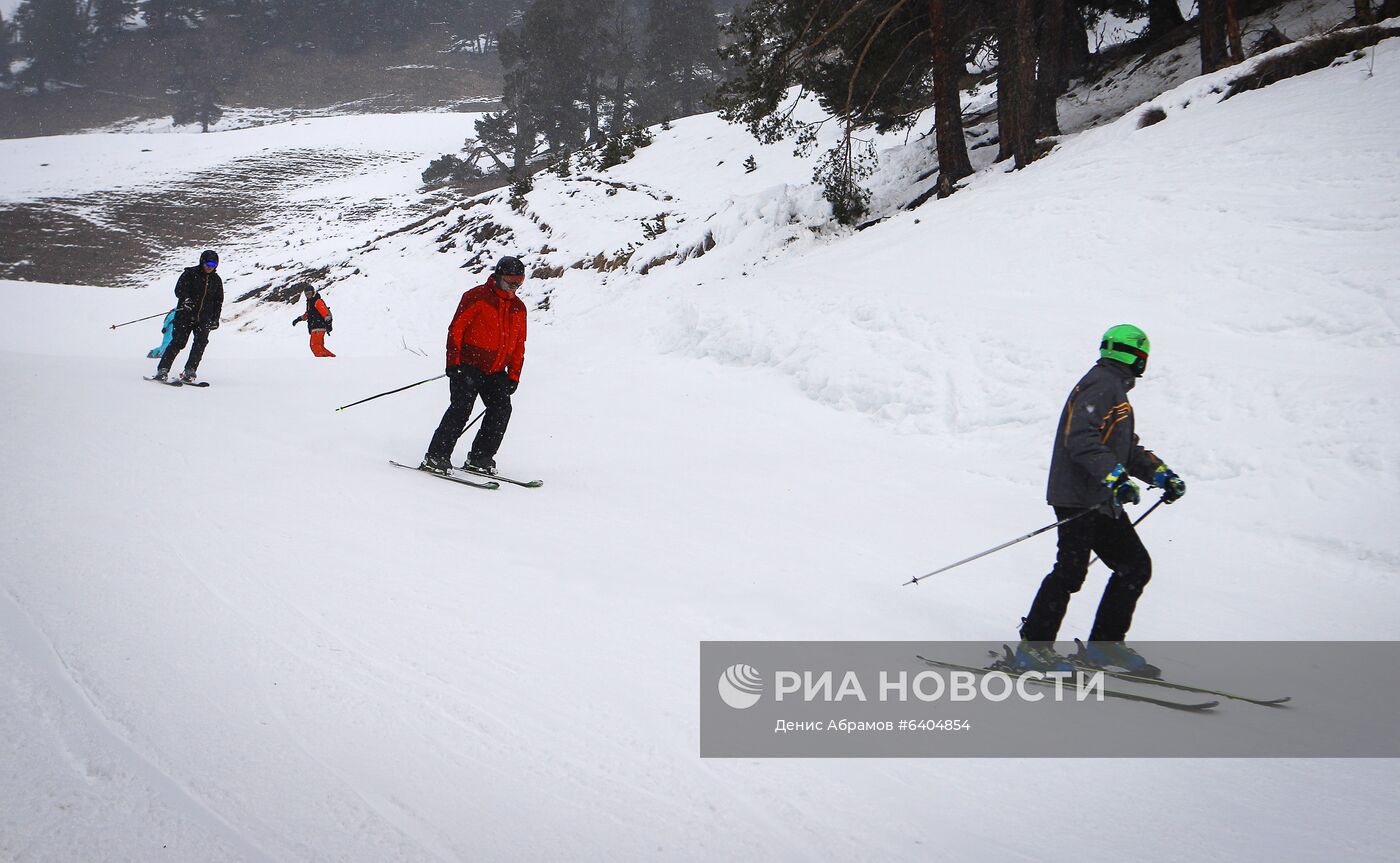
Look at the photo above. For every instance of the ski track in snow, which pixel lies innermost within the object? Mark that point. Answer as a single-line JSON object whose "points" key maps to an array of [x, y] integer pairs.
{"points": [[34, 646]]}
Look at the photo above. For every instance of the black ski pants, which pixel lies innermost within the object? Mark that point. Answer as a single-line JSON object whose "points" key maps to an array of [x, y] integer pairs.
{"points": [[178, 336], [1116, 542], [466, 386]]}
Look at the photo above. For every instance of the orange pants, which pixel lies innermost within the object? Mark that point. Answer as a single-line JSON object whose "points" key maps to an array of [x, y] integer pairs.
{"points": [[318, 344]]}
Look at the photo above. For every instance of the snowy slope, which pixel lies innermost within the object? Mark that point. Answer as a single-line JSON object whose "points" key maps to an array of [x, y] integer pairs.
{"points": [[339, 179], [229, 632]]}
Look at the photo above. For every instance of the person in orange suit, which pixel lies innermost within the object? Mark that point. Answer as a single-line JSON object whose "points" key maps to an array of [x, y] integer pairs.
{"points": [[318, 319]]}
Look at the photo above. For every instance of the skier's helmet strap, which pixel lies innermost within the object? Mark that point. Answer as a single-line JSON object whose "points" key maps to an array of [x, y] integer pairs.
{"points": [[1126, 344]]}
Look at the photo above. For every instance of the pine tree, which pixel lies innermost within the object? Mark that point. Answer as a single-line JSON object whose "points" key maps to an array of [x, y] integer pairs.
{"points": [[1050, 80], [948, 69], [870, 63], [109, 17], [488, 16], [1016, 80], [200, 72], [1211, 20], [7, 48], [590, 23], [621, 61], [519, 94], [682, 60], [51, 34], [165, 17], [1163, 16]]}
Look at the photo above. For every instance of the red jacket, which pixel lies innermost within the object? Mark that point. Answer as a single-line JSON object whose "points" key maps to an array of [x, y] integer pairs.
{"points": [[488, 331]]}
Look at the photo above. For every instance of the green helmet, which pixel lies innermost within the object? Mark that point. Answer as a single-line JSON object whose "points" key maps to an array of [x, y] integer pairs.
{"points": [[1128, 345]]}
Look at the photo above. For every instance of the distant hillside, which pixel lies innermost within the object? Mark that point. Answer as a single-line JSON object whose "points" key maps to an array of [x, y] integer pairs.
{"points": [[128, 81]]}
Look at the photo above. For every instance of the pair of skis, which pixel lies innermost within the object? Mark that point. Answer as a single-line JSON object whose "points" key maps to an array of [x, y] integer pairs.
{"points": [[176, 382], [1003, 665], [460, 476]]}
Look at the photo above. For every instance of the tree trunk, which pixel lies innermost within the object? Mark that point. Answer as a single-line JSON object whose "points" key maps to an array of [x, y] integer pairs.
{"points": [[1389, 9], [1364, 15], [1049, 79], [524, 143], [1022, 81], [1006, 65], [1211, 21], [948, 69], [1163, 16], [1076, 55], [619, 115], [593, 96], [1232, 31]]}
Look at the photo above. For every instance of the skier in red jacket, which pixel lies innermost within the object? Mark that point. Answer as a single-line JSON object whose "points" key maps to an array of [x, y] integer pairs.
{"points": [[485, 352]]}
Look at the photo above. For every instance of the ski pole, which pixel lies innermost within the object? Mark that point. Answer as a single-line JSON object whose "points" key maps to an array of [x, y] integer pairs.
{"points": [[139, 320], [1159, 502], [1066, 520], [391, 392]]}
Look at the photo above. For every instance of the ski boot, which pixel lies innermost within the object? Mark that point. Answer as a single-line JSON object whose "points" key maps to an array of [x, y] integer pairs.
{"points": [[436, 464], [481, 465], [187, 378], [159, 376], [1039, 656], [1115, 655]]}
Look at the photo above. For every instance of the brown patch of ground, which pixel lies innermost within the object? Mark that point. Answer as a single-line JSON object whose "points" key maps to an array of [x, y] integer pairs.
{"points": [[111, 238]]}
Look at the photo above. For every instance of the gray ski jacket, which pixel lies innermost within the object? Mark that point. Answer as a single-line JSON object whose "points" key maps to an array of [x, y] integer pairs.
{"points": [[1095, 435]]}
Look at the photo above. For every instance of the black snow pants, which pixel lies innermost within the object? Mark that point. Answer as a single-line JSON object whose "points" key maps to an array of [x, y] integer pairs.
{"points": [[1116, 542], [179, 335], [465, 387]]}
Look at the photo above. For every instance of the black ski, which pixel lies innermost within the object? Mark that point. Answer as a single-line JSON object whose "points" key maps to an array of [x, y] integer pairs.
{"points": [[1170, 684], [449, 477], [176, 382], [1110, 693], [526, 483]]}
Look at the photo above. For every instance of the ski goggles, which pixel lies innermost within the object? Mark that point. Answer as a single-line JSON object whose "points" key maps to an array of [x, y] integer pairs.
{"points": [[211, 264], [513, 281], [1124, 348]]}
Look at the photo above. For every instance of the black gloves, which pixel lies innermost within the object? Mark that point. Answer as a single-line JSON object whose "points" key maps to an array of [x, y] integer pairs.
{"points": [[511, 386], [296, 321]]}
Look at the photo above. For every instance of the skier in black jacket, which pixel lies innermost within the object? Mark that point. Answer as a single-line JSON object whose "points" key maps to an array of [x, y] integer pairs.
{"points": [[200, 300], [1096, 455]]}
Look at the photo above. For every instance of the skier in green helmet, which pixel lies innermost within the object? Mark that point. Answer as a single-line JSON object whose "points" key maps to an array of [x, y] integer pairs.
{"points": [[1095, 457]]}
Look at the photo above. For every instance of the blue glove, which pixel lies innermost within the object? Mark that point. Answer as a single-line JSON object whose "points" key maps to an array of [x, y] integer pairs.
{"points": [[1123, 488], [1173, 487]]}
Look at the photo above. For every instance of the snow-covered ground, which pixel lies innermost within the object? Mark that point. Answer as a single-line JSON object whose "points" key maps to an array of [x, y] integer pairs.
{"points": [[228, 631]]}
